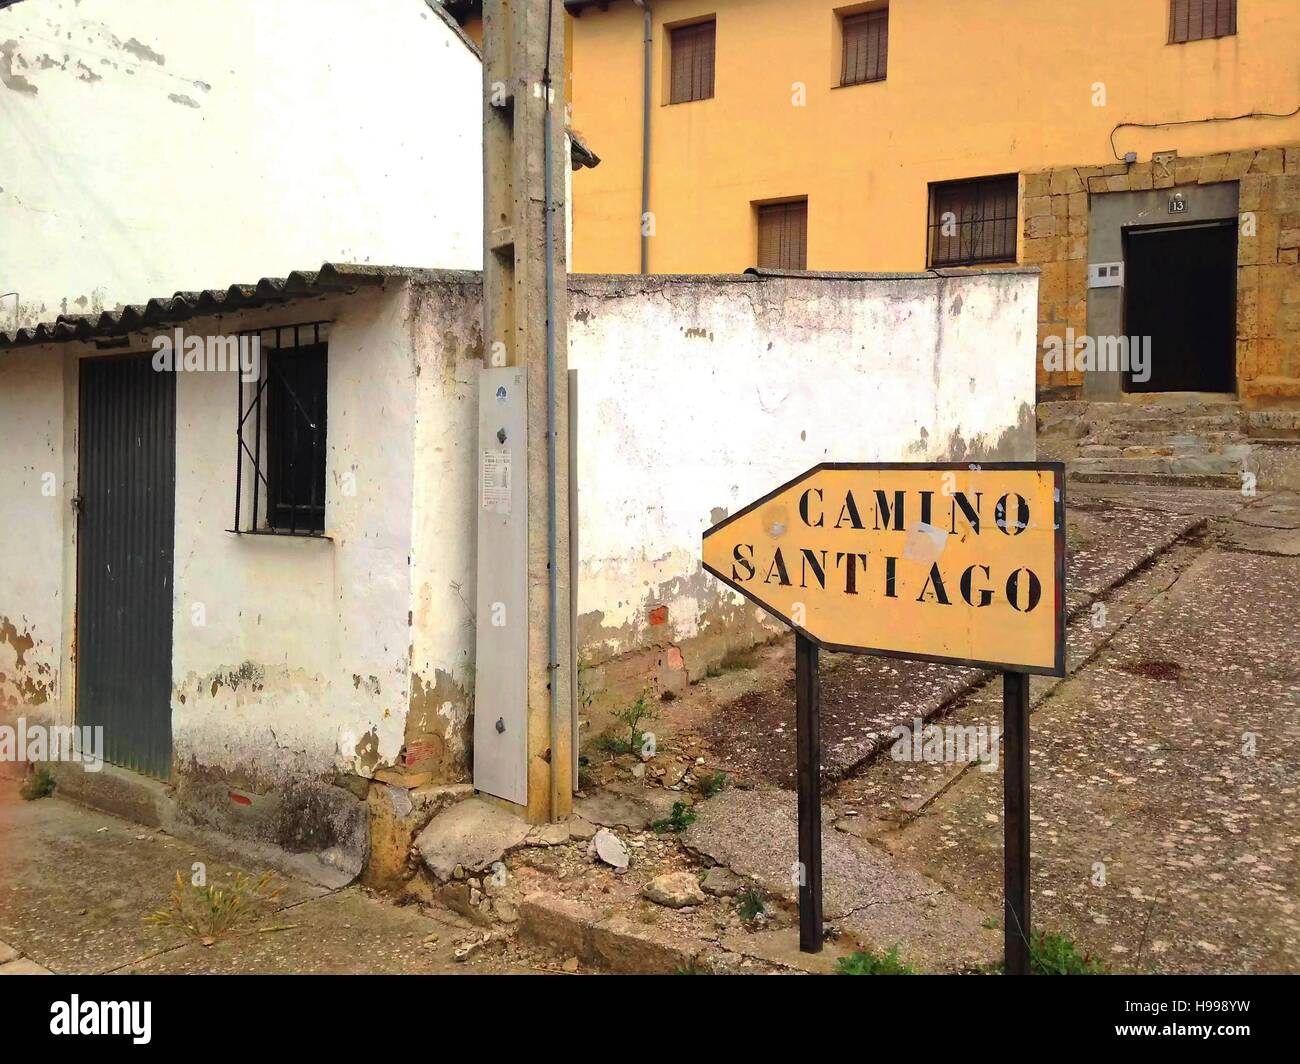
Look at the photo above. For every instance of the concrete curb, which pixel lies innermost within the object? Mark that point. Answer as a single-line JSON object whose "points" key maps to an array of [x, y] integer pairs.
{"points": [[611, 944]]}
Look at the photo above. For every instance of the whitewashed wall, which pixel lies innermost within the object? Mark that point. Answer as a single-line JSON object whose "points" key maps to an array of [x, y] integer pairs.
{"points": [[325, 657], [698, 395], [300, 665], [157, 145], [33, 511]]}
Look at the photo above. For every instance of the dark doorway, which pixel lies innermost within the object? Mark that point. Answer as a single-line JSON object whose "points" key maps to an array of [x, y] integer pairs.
{"points": [[1181, 291], [127, 491]]}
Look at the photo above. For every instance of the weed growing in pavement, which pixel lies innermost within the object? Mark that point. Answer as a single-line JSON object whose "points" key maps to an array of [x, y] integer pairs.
{"points": [[864, 962], [750, 905], [681, 817], [1055, 954], [632, 717], [209, 912], [40, 784], [713, 783]]}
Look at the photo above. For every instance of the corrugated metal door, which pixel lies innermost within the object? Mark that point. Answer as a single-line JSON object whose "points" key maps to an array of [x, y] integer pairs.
{"points": [[124, 565]]}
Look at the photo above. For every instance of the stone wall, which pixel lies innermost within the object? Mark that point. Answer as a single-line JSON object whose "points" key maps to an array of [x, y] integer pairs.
{"points": [[1055, 233]]}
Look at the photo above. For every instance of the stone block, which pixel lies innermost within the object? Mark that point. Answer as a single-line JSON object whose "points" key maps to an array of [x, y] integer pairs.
{"points": [[1039, 227], [1066, 182], [1252, 190], [1038, 184], [1187, 171], [1238, 165], [1212, 168], [1269, 161]]}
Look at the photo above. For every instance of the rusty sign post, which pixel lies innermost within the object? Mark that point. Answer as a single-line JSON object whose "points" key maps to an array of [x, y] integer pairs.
{"points": [[948, 562]]}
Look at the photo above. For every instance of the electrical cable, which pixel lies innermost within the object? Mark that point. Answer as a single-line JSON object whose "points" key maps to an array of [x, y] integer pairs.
{"points": [[1192, 122]]}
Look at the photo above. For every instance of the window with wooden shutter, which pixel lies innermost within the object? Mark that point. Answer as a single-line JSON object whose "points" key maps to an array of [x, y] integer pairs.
{"points": [[783, 235], [692, 62], [973, 221], [1199, 20], [866, 47]]}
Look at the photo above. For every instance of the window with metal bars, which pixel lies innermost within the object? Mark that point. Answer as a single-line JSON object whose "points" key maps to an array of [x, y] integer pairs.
{"points": [[866, 47], [280, 479], [1199, 20], [973, 221], [783, 235], [692, 62]]}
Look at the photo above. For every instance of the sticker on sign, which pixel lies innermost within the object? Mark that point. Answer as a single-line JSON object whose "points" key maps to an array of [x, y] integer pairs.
{"points": [[938, 562]]}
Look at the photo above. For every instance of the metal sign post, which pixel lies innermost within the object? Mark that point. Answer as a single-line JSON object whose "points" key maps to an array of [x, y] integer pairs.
{"points": [[1015, 823], [807, 690], [947, 562]]}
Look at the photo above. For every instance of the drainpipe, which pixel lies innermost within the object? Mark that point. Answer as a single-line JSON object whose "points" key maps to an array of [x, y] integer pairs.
{"points": [[644, 5]]}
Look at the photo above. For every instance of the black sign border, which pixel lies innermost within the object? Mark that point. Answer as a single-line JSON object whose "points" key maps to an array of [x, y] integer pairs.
{"points": [[1057, 469]]}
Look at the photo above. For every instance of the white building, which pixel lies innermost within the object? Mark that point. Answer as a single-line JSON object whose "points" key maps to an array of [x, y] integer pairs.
{"points": [[264, 671], [150, 145]]}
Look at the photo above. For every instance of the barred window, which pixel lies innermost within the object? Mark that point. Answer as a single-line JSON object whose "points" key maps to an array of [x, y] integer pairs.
{"points": [[280, 478], [866, 47], [692, 62], [973, 221], [1199, 20], [783, 235]]}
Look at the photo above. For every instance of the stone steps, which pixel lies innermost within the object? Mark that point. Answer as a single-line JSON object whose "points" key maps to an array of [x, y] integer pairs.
{"points": [[1213, 440], [1188, 440], [1273, 424], [1170, 480], [1193, 465]]}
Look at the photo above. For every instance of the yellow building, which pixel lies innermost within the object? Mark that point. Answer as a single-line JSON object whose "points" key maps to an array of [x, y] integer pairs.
{"points": [[1155, 140]]}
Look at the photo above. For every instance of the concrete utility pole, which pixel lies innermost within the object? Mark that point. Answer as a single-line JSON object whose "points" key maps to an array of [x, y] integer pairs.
{"points": [[525, 264]]}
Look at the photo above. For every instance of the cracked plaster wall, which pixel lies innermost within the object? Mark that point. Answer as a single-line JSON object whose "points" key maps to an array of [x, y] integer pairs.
{"points": [[355, 655], [700, 395]]}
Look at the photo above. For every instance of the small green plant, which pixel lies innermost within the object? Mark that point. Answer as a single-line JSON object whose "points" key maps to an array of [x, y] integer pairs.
{"points": [[40, 784], [633, 716], [1055, 954], [991, 923], [750, 905], [867, 963], [681, 817], [713, 783], [209, 912]]}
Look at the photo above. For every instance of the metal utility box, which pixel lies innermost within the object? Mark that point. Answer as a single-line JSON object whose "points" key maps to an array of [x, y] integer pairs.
{"points": [[501, 669]]}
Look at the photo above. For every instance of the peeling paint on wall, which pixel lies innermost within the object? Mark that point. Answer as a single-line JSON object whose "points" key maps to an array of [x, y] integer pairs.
{"points": [[213, 81]]}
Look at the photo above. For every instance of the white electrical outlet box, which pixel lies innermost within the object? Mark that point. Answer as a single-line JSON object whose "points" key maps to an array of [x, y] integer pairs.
{"points": [[501, 656], [1105, 275]]}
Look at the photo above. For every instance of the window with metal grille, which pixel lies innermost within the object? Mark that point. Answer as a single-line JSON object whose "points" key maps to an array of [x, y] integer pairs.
{"points": [[866, 47], [1199, 20], [973, 221], [783, 235], [280, 479], [691, 72]]}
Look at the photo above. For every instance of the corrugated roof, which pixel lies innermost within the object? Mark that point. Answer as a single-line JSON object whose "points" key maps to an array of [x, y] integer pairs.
{"points": [[331, 278]]}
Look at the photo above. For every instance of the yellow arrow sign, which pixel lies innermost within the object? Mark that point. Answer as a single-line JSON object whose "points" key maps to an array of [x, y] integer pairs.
{"points": [[939, 562]]}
